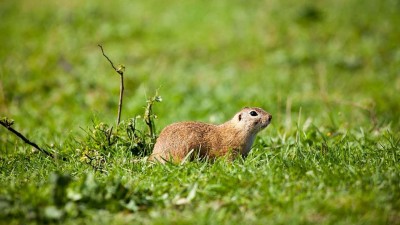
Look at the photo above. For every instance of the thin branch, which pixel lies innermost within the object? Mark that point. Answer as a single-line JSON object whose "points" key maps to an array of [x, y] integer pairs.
{"points": [[108, 134], [109, 60], [120, 70], [121, 94], [7, 124], [149, 116]]}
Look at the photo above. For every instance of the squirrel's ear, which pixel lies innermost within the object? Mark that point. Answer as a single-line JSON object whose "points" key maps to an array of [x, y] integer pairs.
{"points": [[240, 117]]}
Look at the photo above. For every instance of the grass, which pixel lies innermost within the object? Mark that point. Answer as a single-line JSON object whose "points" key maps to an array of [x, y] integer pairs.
{"points": [[327, 71]]}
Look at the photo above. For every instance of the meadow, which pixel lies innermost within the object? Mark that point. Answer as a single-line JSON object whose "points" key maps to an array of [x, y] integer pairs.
{"points": [[328, 72]]}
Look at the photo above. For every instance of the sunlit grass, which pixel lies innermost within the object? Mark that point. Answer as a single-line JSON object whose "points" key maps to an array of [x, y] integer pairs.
{"points": [[327, 71]]}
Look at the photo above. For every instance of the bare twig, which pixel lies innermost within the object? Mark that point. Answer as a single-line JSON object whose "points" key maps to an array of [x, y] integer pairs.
{"points": [[112, 64], [149, 116], [121, 93], [8, 123], [120, 70], [108, 134]]}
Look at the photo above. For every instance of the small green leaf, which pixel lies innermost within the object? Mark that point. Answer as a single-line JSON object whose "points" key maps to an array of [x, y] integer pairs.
{"points": [[121, 68]]}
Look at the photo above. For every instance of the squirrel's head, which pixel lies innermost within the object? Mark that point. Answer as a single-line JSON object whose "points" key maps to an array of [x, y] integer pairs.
{"points": [[252, 119]]}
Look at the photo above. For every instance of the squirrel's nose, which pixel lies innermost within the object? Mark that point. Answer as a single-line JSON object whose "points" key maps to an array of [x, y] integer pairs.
{"points": [[269, 117]]}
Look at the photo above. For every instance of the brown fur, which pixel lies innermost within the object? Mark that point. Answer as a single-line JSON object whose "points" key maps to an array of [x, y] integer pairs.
{"points": [[231, 138]]}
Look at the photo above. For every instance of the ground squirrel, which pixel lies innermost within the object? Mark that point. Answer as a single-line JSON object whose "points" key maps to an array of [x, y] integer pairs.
{"points": [[233, 137]]}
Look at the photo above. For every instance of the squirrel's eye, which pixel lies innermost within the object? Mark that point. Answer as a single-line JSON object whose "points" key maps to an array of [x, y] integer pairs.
{"points": [[253, 113]]}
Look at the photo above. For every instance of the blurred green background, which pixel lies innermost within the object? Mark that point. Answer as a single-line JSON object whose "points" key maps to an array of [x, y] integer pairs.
{"points": [[337, 61], [334, 64]]}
